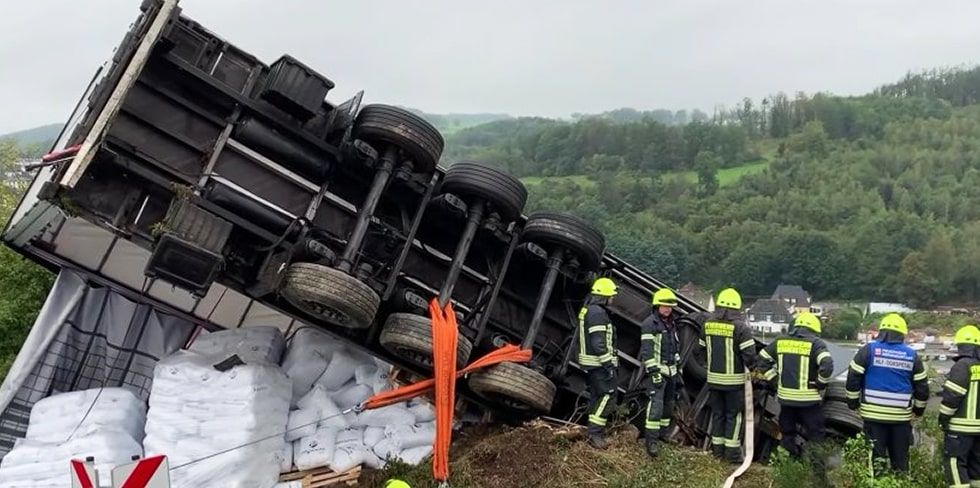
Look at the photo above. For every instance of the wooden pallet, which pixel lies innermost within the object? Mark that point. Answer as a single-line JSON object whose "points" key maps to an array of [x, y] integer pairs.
{"points": [[319, 477]]}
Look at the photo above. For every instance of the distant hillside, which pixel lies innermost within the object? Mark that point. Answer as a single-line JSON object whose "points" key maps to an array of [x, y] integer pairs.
{"points": [[33, 135], [450, 123]]}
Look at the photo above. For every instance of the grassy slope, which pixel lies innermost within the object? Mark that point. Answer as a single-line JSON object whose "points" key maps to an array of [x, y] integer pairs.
{"points": [[487, 460]]}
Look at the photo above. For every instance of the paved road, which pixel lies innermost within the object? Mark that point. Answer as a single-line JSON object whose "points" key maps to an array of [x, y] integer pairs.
{"points": [[842, 357]]}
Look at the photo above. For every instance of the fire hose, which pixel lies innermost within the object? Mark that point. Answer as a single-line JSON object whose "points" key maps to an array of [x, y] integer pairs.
{"points": [[749, 436]]}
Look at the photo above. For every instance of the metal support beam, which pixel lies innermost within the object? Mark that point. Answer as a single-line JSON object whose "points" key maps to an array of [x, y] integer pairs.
{"points": [[364, 215], [553, 266], [476, 211]]}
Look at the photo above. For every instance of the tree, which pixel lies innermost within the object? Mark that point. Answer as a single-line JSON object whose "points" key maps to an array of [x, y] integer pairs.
{"points": [[916, 284], [706, 163], [843, 324]]}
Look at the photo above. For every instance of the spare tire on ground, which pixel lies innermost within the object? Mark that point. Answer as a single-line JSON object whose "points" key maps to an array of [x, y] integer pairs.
{"points": [[839, 418]]}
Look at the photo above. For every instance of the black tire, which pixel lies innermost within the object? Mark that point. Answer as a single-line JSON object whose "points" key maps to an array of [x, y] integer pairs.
{"points": [[689, 331], [330, 295], [506, 194], [570, 232], [514, 386], [839, 418], [418, 139], [836, 390], [409, 336]]}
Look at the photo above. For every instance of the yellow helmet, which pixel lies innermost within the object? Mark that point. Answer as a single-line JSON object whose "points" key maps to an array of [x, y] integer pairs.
{"points": [[968, 334], [809, 321], [393, 483], [604, 287], [665, 297], [894, 322], [729, 298]]}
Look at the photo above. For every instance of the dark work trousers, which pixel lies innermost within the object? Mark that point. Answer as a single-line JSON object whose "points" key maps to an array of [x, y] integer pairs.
{"points": [[962, 464], [726, 420], [890, 441], [800, 420], [660, 406], [602, 397]]}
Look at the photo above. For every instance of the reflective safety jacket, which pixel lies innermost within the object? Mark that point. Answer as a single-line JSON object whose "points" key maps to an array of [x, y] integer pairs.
{"points": [[889, 380], [730, 349], [659, 344], [961, 390], [596, 338], [802, 364]]}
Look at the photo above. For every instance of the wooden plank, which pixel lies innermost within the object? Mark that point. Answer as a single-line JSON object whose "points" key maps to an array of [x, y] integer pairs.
{"points": [[321, 477]]}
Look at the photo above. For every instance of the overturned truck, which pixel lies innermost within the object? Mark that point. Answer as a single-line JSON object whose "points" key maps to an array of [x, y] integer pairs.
{"points": [[197, 179]]}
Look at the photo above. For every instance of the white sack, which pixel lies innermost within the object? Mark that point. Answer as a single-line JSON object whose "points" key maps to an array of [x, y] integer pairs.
{"points": [[352, 396], [302, 423], [392, 415], [339, 371], [285, 457], [415, 455], [251, 344], [315, 450], [372, 435]]}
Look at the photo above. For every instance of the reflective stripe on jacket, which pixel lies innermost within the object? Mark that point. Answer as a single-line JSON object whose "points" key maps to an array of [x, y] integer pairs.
{"points": [[597, 338], [961, 397], [890, 381], [730, 349], [802, 363], [659, 344]]}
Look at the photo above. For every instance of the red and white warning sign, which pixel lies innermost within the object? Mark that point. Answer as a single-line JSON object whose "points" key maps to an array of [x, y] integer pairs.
{"points": [[152, 472], [83, 474]]}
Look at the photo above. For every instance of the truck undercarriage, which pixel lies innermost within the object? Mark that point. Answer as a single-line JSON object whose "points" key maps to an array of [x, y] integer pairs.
{"points": [[210, 184]]}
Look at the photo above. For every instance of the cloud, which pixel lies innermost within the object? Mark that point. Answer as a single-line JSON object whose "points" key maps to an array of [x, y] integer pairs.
{"points": [[543, 57]]}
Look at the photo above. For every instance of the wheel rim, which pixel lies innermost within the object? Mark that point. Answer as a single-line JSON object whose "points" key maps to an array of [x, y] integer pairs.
{"points": [[320, 310], [414, 356], [504, 400]]}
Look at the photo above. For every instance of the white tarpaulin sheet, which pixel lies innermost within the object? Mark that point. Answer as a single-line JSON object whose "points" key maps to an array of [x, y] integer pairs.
{"points": [[85, 337]]}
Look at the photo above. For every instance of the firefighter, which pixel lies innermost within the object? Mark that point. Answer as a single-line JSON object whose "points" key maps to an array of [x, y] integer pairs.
{"points": [[959, 413], [660, 354], [597, 355], [730, 354], [887, 383], [799, 367]]}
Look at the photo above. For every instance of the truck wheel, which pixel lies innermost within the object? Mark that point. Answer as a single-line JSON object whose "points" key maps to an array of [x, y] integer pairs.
{"points": [[330, 295], [842, 419], [514, 386], [836, 390], [409, 336], [385, 124], [568, 231], [688, 332], [506, 194]]}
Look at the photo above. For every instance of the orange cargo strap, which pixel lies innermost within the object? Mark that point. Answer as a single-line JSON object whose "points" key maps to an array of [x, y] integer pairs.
{"points": [[444, 334]]}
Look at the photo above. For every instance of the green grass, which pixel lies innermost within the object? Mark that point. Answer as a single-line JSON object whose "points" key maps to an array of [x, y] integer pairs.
{"points": [[726, 176], [580, 180]]}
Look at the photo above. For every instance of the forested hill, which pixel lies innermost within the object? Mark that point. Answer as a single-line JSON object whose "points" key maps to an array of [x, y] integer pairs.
{"points": [[870, 197]]}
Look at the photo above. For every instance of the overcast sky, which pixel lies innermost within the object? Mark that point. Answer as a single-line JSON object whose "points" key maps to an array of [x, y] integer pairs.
{"points": [[523, 57]]}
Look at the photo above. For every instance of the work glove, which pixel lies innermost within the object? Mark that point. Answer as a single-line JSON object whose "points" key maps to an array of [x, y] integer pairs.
{"points": [[853, 403], [918, 411], [610, 370], [944, 421]]}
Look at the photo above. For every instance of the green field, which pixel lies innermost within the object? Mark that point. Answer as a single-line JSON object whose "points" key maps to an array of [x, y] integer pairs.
{"points": [[726, 176]]}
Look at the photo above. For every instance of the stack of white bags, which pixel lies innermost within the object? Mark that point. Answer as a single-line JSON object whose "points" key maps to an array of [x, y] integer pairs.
{"points": [[235, 423], [221, 426], [328, 379], [103, 423]]}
